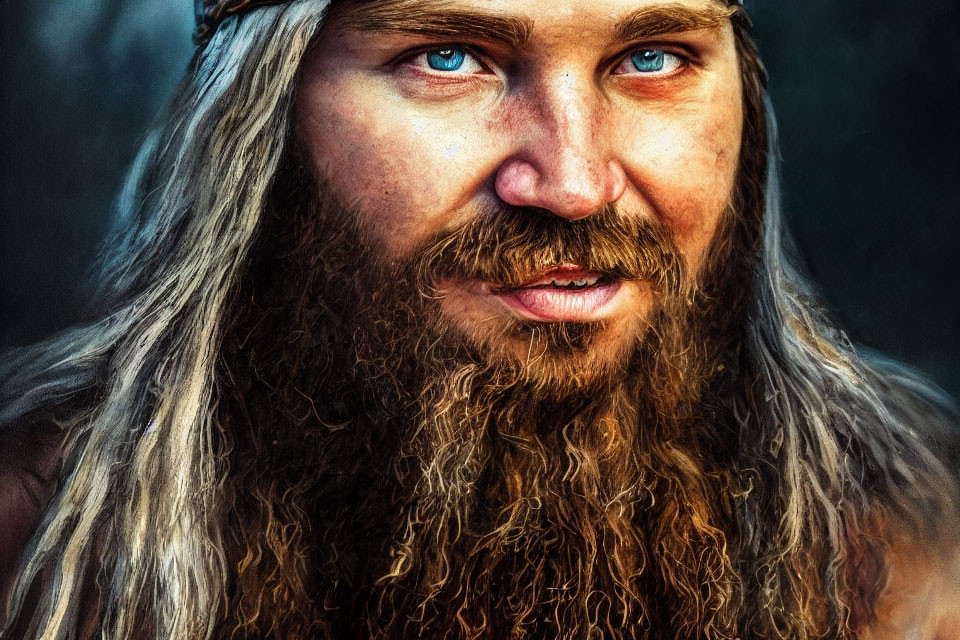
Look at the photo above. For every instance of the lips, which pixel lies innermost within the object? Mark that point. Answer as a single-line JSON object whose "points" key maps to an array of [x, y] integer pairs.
{"points": [[566, 293]]}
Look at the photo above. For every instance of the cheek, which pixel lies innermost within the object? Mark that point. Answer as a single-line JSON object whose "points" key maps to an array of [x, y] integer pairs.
{"points": [[407, 173], [683, 166]]}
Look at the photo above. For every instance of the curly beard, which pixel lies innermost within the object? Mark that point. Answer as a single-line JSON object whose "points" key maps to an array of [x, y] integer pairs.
{"points": [[424, 483]]}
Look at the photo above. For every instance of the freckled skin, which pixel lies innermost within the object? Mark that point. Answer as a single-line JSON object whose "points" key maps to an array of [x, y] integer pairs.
{"points": [[551, 126], [548, 126], [584, 139]]}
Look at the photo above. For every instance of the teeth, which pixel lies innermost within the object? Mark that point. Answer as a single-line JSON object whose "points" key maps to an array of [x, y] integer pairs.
{"points": [[588, 282]]}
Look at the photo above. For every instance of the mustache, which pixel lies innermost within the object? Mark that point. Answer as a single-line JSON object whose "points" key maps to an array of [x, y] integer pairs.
{"points": [[507, 245]]}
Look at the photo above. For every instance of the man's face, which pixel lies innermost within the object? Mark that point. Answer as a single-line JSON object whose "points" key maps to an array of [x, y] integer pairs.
{"points": [[427, 117]]}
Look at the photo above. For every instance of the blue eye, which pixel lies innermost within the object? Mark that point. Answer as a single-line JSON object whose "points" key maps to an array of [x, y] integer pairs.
{"points": [[446, 59], [649, 60]]}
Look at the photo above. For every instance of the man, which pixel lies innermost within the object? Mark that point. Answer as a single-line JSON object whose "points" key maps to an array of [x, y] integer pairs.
{"points": [[463, 319]]}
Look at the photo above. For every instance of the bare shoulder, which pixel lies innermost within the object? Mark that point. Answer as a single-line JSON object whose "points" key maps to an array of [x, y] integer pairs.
{"points": [[30, 454], [922, 598]]}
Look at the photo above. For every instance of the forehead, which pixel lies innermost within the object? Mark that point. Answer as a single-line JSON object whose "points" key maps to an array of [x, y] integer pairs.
{"points": [[543, 9], [525, 20], [536, 8]]}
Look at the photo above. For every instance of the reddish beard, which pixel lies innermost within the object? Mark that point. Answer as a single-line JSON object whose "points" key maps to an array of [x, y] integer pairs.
{"points": [[455, 492]]}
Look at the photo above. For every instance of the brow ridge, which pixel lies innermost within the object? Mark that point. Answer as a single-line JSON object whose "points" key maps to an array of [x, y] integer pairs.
{"points": [[672, 18], [432, 19]]}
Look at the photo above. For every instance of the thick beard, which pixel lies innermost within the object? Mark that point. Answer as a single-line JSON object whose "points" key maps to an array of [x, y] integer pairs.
{"points": [[456, 492]]}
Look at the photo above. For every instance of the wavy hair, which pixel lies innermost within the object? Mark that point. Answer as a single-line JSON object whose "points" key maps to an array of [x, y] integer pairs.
{"points": [[831, 442], [140, 478]]}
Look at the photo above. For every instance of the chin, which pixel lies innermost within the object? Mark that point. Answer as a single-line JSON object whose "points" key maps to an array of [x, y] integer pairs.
{"points": [[554, 357]]}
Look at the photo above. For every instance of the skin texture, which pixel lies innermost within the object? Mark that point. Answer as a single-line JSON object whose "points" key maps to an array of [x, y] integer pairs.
{"points": [[561, 123], [555, 119], [263, 418], [923, 591]]}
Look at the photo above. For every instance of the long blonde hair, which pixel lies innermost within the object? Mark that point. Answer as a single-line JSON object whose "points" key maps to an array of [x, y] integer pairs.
{"points": [[141, 471], [139, 501]]}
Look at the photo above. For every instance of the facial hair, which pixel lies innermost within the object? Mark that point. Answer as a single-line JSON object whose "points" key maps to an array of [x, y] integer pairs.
{"points": [[456, 491]]}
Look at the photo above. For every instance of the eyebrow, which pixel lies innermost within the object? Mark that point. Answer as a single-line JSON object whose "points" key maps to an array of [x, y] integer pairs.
{"points": [[426, 18], [672, 18]]}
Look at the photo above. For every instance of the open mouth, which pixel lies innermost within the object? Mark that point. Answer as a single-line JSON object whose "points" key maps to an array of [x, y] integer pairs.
{"points": [[566, 293]]}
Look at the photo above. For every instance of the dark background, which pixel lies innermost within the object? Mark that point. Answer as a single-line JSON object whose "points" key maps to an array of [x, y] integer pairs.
{"points": [[866, 94]]}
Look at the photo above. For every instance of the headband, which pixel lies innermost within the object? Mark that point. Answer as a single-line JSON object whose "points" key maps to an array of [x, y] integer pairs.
{"points": [[210, 13]]}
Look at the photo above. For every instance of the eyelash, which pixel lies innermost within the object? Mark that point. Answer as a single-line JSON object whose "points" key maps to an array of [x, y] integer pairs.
{"points": [[408, 57], [683, 60]]}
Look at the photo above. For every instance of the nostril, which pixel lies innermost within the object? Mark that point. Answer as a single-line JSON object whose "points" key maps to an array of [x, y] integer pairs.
{"points": [[572, 190]]}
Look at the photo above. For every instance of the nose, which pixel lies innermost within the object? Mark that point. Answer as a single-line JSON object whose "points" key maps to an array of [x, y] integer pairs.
{"points": [[562, 160]]}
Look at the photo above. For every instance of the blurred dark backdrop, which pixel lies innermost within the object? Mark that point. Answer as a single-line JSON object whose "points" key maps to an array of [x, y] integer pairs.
{"points": [[866, 93]]}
